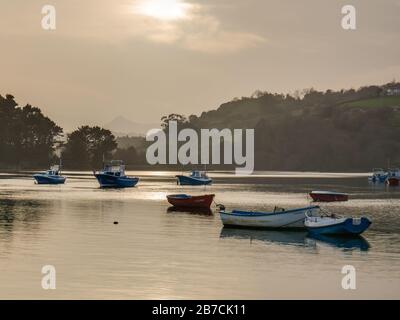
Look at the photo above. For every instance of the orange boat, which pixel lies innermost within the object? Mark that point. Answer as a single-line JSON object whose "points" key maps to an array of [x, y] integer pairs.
{"points": [[328, 196], [188, 201], [393, 181]]}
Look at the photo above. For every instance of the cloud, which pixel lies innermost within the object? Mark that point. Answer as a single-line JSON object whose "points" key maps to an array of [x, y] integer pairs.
{"points": [[210, 37], [198, 31], [190, 26]]}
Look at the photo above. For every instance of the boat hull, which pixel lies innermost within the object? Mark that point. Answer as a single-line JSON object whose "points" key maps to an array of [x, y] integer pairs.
{"points": [[345, 226], [394, 181], [185, 201], [43, 179], [329, 197], [288, 219], [109, 181], [191, 181]]}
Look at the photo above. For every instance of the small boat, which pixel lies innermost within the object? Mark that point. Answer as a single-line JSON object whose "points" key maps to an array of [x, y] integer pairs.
{"points": [[279, 218], [333, 224], [185, 200], [378, 175], [113, 176], [52, 176], [196, 178], [328, 196], [393, 177]]}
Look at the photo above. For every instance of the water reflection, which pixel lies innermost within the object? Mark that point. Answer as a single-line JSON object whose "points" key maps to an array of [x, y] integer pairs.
{"points": [[13, 211], [184, 253], [297, 238], [343, 242], [20, 218], [198, 211]]}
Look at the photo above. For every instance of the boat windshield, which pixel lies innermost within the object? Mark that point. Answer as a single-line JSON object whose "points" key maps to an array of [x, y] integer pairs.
{"points": [[199, 174]]}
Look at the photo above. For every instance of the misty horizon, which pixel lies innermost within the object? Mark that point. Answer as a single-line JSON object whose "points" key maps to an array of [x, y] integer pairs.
{"points": [[122, 59]]}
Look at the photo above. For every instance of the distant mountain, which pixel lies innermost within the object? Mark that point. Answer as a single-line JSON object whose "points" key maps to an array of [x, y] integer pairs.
{"points": [[122, 126]]}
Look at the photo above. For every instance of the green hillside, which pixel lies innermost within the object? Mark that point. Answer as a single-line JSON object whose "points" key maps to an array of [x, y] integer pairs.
{"points": [[375, 102], [346, 130], [333, 130]]}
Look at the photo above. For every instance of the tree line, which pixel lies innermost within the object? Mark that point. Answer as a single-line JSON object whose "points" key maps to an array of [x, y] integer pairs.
{"points": [[29, 139], [314, 130]]}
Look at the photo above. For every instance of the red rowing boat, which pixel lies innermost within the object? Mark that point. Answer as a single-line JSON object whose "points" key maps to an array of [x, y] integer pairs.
{"points": [[184, 200], [328, 196]]}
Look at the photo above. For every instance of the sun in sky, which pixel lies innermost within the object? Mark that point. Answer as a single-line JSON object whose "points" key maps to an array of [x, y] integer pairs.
{"points": [[167, 10]]}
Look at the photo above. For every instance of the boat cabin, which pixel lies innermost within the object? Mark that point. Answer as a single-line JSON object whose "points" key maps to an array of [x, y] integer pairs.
{"points": [[199, 174], [53, 171], [115, 168]]}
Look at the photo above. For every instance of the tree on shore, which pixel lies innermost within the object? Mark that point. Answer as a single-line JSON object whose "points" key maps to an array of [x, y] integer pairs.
{"points": [[87, 146], [27, 137]]}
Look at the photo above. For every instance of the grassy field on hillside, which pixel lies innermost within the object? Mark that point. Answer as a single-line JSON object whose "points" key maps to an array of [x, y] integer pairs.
{"points": [[375, 102]]}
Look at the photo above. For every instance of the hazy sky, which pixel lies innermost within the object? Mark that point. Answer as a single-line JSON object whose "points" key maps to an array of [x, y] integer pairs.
{"points": [[147, 58]]}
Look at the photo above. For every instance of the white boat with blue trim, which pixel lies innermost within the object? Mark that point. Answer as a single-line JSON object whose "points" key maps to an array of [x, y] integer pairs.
{"points": [[336, 225], [277, 219]]}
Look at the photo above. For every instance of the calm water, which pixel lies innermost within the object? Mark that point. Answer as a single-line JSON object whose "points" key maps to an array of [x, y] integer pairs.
{"points": [[154, 253]]}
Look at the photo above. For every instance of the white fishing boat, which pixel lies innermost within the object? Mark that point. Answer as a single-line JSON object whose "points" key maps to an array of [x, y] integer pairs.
{"points": [[279, 218]]}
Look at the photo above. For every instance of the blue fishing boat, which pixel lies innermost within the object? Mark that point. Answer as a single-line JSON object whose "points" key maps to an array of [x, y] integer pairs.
{"points": [[113, 176], [333, 224], [378, 176], [196, 178], [52, 176]]}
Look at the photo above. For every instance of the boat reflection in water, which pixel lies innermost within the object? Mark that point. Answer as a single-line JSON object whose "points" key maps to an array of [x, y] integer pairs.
{"points": [[296, 238], [343, 242], [199, 211]]}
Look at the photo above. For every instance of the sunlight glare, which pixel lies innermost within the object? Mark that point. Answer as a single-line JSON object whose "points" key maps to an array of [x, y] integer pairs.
{"points": [[163, 9]]}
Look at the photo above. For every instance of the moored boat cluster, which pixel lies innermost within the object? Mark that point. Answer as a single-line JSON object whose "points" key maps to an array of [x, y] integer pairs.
{"points": [[390, 176], [312, 217]]}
